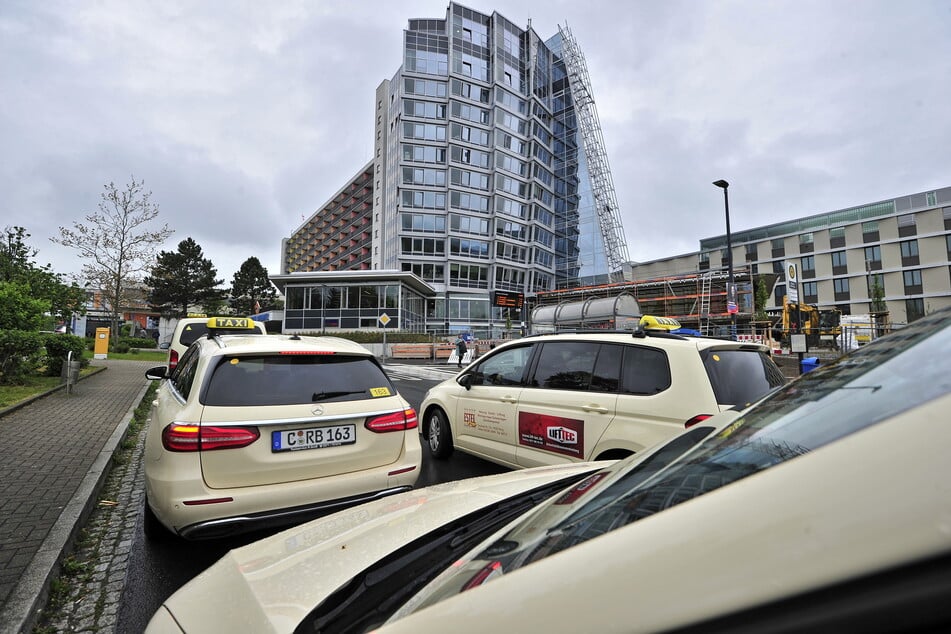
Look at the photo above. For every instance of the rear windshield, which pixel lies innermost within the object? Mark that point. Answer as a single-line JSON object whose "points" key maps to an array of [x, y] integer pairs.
{"points": [[192, 333], [294, 379], [740, 377]]}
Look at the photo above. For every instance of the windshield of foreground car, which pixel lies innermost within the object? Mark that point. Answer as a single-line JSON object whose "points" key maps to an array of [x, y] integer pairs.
{"points": [[864, 388]]}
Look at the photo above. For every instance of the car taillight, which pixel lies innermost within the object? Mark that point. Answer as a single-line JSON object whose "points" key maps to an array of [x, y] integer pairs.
{"points": [[172, 359], [397, 421], [178, 437], [492, 569], [696, 419]]}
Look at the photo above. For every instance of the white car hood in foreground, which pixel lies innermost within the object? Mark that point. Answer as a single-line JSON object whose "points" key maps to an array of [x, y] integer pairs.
{"points": [[272, 584]]}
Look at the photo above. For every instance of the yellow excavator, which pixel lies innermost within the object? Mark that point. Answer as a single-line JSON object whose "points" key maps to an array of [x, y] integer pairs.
{"points": [[822, 327]]}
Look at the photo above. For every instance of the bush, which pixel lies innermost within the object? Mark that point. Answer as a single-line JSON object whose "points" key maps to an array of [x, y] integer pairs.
{"points": [[21, 353], [58, 348], [137, 342]]}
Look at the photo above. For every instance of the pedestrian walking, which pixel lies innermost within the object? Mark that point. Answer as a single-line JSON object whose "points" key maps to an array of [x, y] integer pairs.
{"points": [[460, 349]]}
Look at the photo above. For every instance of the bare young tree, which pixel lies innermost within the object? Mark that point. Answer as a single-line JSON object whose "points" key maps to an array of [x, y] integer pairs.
{"points": [[116, 243]]}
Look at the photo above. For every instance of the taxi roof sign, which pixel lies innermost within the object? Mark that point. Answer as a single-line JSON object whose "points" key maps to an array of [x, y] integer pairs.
{"points": [[653, 322], [230, 323]]}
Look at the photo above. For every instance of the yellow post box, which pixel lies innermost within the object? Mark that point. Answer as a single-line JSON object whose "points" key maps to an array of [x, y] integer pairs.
{"points": [[101, 348]]}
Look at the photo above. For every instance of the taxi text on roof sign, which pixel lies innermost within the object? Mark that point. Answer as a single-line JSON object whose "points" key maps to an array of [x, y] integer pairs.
{"points": [[659, 323], [230, 322]]}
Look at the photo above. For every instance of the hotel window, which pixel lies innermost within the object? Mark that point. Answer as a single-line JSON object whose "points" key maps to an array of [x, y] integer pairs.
{"points": [[931, 199], [470, 113], [837, 237], [466, 224], [840, 287], [778, 246], [514, 253], [947, 218], [805, 243], [469, 275], [513, 230], [423, 176], [424, 131], [912, 281], [808, 264], [427, 271], [909, 253], [906, 225], [510, 207], [704, 262], [870, 232], [466, 178], [423, 246], [752, 253], [873, 258], [947, 240], [424, 200], [810, 292], [425, 87], [839, 263], [469, 202], [914, 309], [466, 247], [777, 267], [424, 223], [424, 109]]}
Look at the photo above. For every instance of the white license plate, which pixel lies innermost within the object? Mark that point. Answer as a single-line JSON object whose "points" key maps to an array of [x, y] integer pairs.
{"points": [[313, 438]]}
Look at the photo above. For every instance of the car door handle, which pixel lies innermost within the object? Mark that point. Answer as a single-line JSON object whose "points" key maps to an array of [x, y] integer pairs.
{"points": [[594, 408], [508, 399]]}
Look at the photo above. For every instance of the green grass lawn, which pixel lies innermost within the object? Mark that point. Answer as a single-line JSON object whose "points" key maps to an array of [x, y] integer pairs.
{"points": [[13, 394]]}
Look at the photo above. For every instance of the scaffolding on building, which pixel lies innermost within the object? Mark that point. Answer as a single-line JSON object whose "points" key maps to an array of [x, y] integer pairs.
{"points": [[609, 217]]}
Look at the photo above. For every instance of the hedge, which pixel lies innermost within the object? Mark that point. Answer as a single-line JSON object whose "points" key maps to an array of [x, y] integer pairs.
{"points": [[21, 354], [58, 348]]}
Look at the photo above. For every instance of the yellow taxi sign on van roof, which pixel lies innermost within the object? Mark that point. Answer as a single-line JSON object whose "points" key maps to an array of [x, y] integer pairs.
{"points": [[231, 323], [653, 322]]}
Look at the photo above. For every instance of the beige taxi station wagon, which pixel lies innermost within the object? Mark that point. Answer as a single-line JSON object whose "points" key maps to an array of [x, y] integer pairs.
{"points": [[249, 431]]}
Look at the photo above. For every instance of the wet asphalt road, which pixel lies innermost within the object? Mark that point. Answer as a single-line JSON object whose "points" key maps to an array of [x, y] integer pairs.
{"points": [[158, 569]]}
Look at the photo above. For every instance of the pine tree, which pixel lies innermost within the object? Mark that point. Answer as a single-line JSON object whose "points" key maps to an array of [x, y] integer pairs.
{"points": [[251, 290], [183, 281]]}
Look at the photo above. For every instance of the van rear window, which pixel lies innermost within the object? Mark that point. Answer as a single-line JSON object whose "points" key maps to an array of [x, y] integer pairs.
{"points": [[293, 380], [739, 377]]}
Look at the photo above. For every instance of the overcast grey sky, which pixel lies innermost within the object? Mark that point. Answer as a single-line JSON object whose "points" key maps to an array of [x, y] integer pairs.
{"points": [[243, 116]]}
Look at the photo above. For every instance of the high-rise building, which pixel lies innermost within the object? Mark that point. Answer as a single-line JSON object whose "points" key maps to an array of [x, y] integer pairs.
{"points": [[489, 177]]}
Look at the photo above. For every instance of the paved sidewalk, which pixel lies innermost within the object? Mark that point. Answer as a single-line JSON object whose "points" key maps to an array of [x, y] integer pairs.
{"points": [[54, 455]]}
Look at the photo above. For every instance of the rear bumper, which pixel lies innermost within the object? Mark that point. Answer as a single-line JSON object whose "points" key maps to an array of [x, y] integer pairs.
{"points": [[226, 526]]}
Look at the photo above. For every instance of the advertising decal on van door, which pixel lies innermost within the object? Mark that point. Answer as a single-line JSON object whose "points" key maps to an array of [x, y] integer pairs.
{"points": [[552, 433]]}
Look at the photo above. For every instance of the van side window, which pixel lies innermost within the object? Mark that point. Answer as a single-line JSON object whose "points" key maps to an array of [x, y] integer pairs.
{"points": [[645, 371], [506, 367], [607, 369], [565, 365]]}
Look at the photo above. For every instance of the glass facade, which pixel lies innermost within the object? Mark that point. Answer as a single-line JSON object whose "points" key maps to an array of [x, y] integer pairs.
{"points": [[487, 186], [320, 307]]}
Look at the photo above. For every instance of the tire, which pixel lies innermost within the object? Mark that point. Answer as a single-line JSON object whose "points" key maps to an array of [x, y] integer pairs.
{"points": [[439, 434]]}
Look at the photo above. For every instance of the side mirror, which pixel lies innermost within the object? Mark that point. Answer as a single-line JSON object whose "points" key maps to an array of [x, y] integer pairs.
{"points": [[465, 380], [156, 373]]}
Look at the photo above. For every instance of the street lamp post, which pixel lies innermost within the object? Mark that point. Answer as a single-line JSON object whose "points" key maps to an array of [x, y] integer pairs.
{"points": [[730, 286]]}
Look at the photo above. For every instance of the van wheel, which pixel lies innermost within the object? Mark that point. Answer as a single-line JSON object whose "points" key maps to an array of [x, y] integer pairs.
{"points": [[440, 436]]}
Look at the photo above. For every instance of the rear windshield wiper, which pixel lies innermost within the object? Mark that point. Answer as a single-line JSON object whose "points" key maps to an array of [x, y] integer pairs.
{"points": [[323, 396]]}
